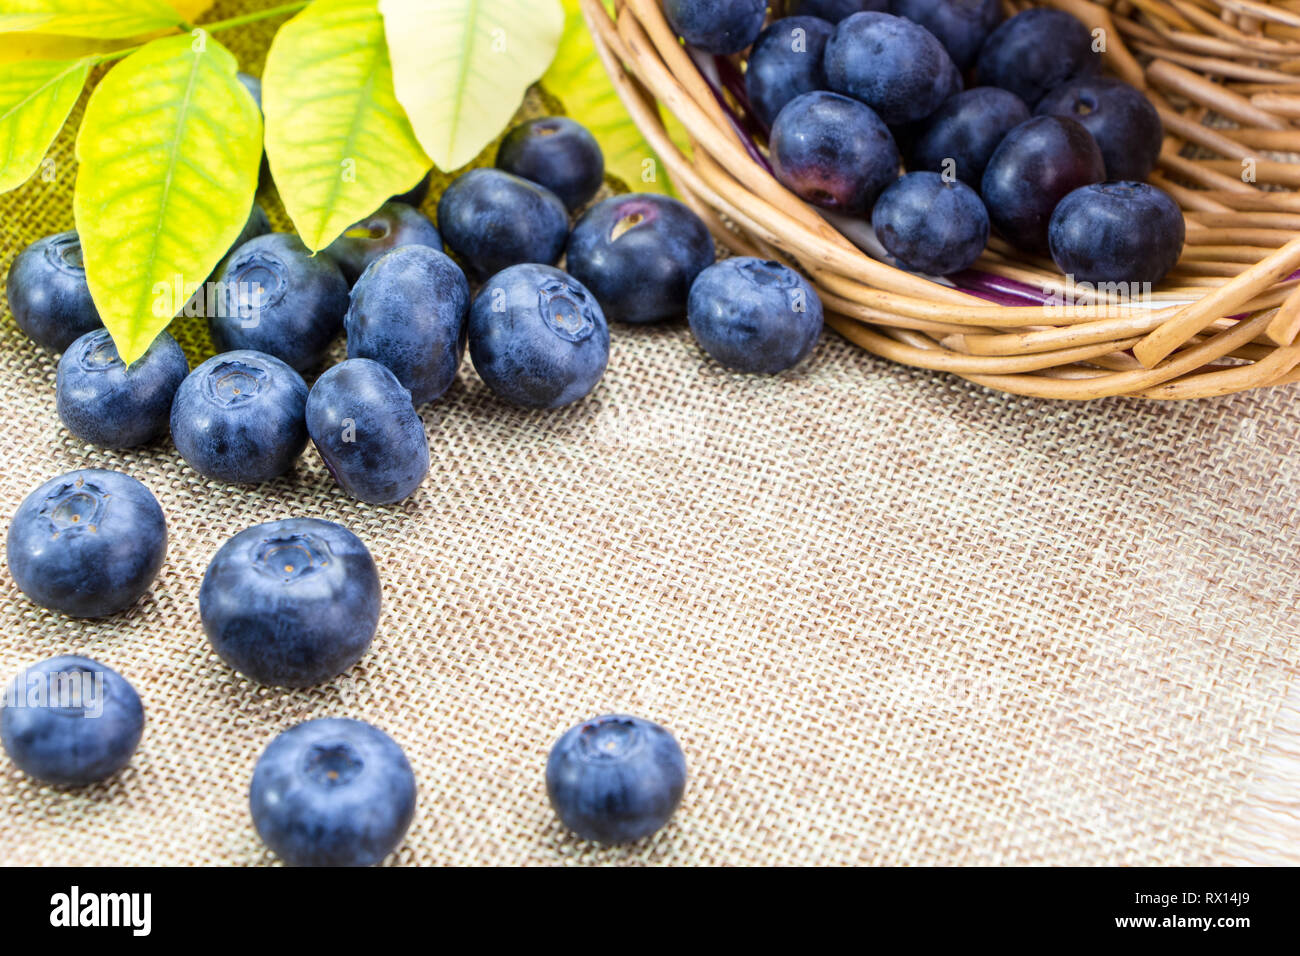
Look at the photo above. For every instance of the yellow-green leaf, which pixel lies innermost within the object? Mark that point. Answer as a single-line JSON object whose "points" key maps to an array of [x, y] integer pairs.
{"points": [[35, 98], [462, 67], [87, 18], [169, 152], [338, 141]]}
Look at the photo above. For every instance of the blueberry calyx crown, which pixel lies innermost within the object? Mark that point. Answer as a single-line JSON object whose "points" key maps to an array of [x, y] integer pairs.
{"points": [[609, 738], [256, 282], [98, 354], [632, 214], [372, 229], [566, 310], [332, 764], [765, 272], [76, 507], [292, 556], [235, 383], [64, 253]]}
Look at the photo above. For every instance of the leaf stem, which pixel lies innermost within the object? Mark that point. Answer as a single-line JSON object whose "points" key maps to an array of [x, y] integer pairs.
{"points": [[254, 17]]}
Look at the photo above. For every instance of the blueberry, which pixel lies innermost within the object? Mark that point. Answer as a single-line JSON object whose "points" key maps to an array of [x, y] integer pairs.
{"points": [[361, 420], [332, 792], [557, 153], [277, 298], [71, 721], [638, 255], [48, 294], [538, 337], [755, 316], [833, 151], [716, 26], [103, 402], [1035, 51], [931, 225], [786, 62], [894, 66], [963, 133], [409, 312], [291, 603], [1120, 118], [615, 779], [1117, 232], [253, 85], [394, 224], [961, 26], [88, 543], [1033, 168], [238, 417], [494, 220], [834, 10], [416, 195]]}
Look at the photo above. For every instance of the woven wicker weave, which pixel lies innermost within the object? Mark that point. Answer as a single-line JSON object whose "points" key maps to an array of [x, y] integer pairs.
{"points": [[1225, 77]]}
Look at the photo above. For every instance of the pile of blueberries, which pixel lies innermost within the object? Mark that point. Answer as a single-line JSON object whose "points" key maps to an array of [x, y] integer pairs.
{"points": [[295, 603], [1038, 145]]}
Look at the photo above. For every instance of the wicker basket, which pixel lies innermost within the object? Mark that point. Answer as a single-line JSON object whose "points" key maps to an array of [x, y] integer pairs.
{"points": [[1225, 77]]}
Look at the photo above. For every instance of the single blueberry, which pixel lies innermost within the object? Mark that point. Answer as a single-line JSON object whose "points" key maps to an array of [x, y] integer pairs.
{"points": [[416, 195], [833, 151], [961, 26], [615, 779], [48, 294], [557, 153], [494, 220], [1117, 232], [88, 543], [394, 224], [962, 134], [1120, 118], [71, 721], [755, 316], [291, 603], [893, 65], [239, 417], [332, 792], [538, 337], [716, 26], [409, 311], [786, 62], [104, 402], [1036, 51], [276, 297], [931, 225], [254, 86], [834, 10], [638, 254], [1034, 167], [369, 435]]}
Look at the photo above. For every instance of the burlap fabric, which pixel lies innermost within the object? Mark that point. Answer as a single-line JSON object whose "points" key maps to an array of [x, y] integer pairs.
{"points": [[892, 617]]}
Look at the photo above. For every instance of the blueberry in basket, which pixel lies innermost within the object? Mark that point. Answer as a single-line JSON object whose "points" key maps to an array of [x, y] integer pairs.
{"points": [[930, 224], [238, 417], [277, 298], [291, 603], [538, 337], [71, 721], [787, 61], [88, 543], [368, 433], [493, 220], [961, 26], [1036, 51], [392, 225], [892, 65], [716, 26], [1117, 232], [1034, 167], [104, 402], [48, 294], [960, 137], [615, 779], [755, 316], [332, 792], [557, 153], [1120, 118], [638, 254], [833, 152]]}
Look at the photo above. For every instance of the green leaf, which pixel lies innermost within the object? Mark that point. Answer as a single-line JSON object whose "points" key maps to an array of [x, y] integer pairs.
{"points": [[462, 66], [87, 18], [169, 151], [337, 139], [578, 79], [35, 99]]}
